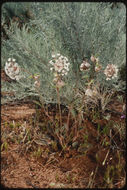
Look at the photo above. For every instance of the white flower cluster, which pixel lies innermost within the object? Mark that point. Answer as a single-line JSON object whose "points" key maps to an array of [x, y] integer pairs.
{"points": [[84, 66], [12, 69], [111, 71], [59, 64]]}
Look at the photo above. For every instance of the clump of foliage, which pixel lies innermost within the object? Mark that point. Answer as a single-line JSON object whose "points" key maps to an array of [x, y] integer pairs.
{"points": [[75, 30], [70, 55], [65, 57]]}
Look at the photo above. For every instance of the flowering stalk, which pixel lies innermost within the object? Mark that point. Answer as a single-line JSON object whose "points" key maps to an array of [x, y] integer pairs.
{"points": [[110, 71], [68, 119], [58, 96], [46, 113], [12, 69], [60, 66]]}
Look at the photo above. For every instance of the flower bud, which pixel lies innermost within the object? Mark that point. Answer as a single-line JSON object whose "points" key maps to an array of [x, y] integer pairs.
{"points": [[84, 66], [93, 59]]}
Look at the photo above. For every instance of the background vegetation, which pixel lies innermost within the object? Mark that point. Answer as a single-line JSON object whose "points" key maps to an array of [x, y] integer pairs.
{"points": [[31, 32]]}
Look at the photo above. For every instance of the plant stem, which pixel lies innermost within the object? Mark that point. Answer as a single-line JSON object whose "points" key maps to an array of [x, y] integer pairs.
{"points": [[68, 120], [42, 102], [58, 96]]}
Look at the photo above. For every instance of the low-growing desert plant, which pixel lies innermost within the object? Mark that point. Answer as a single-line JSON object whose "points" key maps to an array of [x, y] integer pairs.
{"points": [[95, 97], [57, 58]]}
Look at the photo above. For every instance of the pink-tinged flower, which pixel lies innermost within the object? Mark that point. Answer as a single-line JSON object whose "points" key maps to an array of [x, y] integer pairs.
{"points": [[16, 69], [84, 66], [36, 77], [111, 71], [59, 64], [123, 116], [12, 69]]}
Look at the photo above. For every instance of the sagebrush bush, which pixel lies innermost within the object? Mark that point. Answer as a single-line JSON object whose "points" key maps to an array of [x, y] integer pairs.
{"points": [[75, 30]]}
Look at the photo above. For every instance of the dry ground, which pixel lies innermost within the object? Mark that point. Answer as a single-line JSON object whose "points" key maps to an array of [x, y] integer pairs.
{"points": [[23, 169]]}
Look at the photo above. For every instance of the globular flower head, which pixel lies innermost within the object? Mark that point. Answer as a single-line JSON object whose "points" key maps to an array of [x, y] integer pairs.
{"points": [[12, 69], [59, 64], [60, 67], [111, 71], [84, 66]]}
